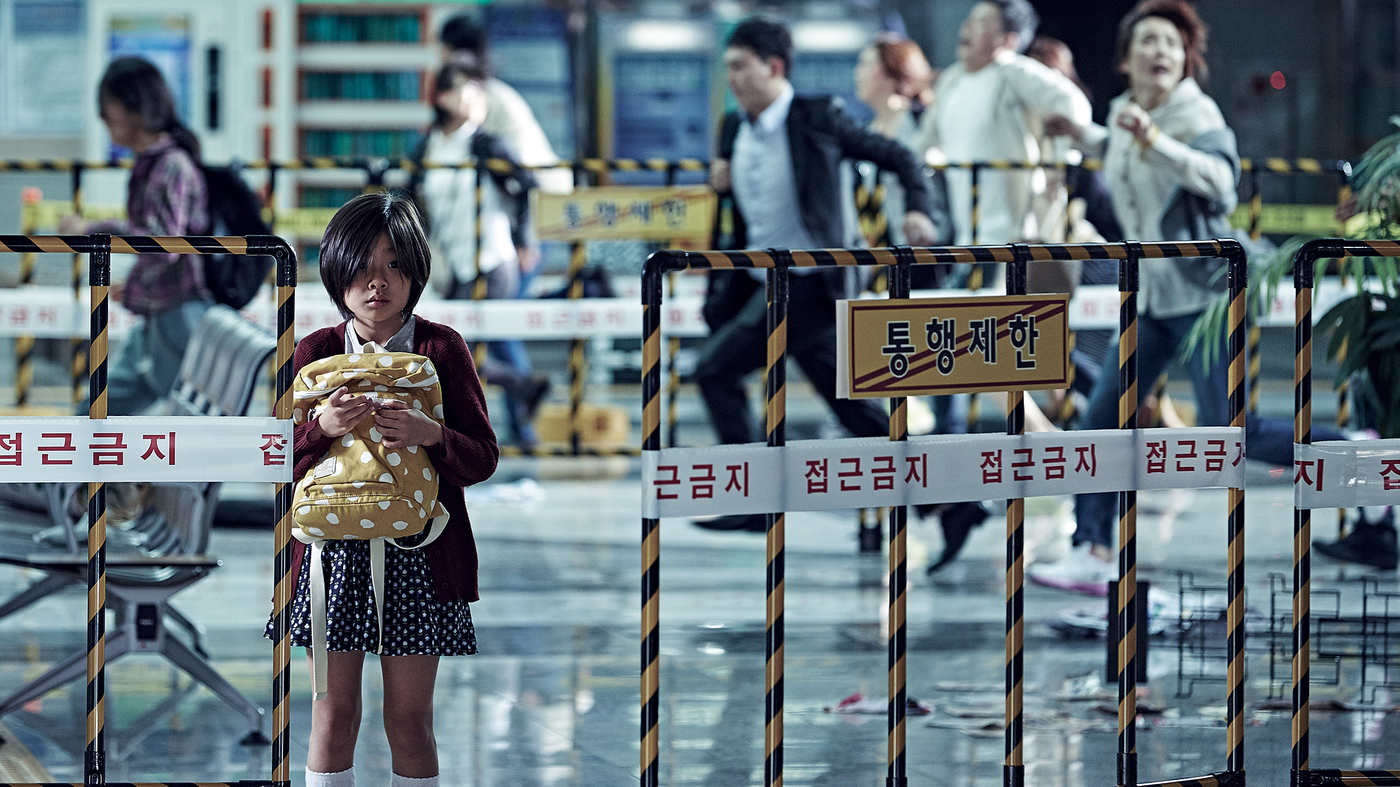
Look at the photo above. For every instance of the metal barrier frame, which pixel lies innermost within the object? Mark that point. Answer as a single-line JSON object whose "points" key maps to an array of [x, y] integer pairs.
{"points": [[778, 262], [100, 247], [1301, 773]]}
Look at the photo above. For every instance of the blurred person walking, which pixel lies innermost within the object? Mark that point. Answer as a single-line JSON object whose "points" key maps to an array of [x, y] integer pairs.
{"points": [[165, 195], [504, 252], [508, 116], [1172, 166], [988, 106], [780, 157], [894, 79]]}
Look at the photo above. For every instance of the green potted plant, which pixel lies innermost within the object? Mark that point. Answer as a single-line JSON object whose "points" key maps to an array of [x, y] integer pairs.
{"points": [[1361, 331]]}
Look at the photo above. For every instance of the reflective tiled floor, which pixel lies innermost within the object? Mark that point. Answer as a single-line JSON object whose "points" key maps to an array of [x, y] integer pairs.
{"points": [[552, 699]]}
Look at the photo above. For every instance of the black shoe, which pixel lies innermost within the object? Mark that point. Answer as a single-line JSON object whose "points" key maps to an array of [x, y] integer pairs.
{"points": [[1367, 544], [536, 388], [957, 521], [752, 523]]}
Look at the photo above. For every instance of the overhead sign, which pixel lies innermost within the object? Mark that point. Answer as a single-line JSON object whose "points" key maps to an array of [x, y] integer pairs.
{"points": [[679, 215], [918, 347]]}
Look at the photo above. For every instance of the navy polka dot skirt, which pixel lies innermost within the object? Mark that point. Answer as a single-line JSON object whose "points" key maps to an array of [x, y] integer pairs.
{"points": [[416, 623]]}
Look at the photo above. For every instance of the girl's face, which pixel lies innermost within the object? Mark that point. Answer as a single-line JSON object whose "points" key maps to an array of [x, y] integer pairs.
{"points": [[1156, 56], [378, 296], [124, 126], [873, 85]]}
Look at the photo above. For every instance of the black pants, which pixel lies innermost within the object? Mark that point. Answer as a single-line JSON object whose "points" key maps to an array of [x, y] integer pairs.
{"points": [[738, 347]]}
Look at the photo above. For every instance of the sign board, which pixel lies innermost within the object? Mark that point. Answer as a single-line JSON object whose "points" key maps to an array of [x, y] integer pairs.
{"points": [[1300, 220], [1346, 474], [918, 347], [873, 472], [146, 449], [681, 215]]}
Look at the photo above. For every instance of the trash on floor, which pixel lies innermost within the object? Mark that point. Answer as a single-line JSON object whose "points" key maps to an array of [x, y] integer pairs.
{"points": [[858, 703], [525, 490]]}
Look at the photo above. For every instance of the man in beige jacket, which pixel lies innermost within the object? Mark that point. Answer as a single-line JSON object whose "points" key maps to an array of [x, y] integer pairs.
{"points": [[988, 107]]}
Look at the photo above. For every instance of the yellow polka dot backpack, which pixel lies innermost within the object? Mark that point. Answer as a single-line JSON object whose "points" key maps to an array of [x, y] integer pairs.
{"points": [[361, 490]]}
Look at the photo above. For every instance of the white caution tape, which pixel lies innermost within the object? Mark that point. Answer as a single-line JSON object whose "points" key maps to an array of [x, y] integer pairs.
{"points": [[823, 475], [145, 449], [1346, 474], [54, 312]]}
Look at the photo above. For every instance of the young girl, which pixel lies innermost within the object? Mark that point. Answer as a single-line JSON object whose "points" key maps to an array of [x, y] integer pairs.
{"points": [[374, 264], [166, 195]]}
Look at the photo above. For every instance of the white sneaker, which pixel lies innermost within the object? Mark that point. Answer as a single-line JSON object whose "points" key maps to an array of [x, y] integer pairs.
{"points": [[1081, 572]]}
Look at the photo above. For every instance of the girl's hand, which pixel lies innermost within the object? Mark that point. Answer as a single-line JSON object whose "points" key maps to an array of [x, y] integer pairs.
{"points": [[1135, 120], [341, 412], [403, 426]]}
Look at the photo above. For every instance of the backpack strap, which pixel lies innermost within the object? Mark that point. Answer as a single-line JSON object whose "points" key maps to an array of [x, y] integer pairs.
{"points": [[320, 648], [376, 566]]}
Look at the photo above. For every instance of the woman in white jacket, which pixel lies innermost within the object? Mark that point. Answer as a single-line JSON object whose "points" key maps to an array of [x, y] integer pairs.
{"points": [[1171, 165]]}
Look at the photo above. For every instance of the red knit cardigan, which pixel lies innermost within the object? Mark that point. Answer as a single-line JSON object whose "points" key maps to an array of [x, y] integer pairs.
{"points": [[467, 454]]}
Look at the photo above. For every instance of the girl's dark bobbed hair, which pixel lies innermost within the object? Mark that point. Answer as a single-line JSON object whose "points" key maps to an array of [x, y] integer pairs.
{"points": [[355, 229]]}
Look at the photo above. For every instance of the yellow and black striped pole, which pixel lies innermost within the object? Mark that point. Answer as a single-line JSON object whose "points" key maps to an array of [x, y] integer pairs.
{"points": [[578, 356], [975, 281], [651, 528], [874, 223], [1256, 204], [974, 277], [100, 247], [99, 281], [1302, 520], [78, 365], [24, 345], [1238, 273], [1343, 388], [282, 555], [1013, 767], [1302, 775], [776, 419], [270, 209], [900, 277], [1127, 523], [479, 284], [673, 379]]}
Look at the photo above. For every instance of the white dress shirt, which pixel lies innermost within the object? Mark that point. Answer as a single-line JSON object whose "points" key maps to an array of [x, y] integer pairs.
{"points": [[450, 195], [765, 188]]}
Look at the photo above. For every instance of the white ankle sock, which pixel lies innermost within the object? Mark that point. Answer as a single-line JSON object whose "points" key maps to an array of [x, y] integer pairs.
{"points": [[345, 778], [396, 780]]}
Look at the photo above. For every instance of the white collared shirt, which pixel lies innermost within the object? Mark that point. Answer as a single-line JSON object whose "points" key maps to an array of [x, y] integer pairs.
{"points": [[450, 195], [400, 342], [966, 126], [764, 185]]}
